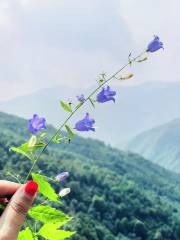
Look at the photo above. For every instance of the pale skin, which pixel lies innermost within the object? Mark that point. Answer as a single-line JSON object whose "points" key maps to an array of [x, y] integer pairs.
{"points": [[14, 214]]}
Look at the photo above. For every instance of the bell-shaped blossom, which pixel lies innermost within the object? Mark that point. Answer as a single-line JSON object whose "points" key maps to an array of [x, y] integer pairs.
{"points": [[62, 176], [86, 124], [36, 124], [155, 45], [81, 98], [105, 95], [64, 192]]}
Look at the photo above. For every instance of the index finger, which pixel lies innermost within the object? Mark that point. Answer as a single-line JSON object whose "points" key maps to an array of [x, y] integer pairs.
{"points": [[8, 188]]}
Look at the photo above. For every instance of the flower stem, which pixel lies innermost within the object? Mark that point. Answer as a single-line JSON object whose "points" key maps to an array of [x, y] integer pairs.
{"points": [[76, 109]]}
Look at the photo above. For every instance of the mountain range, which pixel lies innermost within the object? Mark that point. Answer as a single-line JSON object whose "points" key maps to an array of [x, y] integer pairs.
{"points": [[137, 108], [160, 145], [115, 195]]}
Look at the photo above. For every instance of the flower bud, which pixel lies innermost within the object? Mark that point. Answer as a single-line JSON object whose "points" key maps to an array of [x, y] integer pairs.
{"points": [[125, 77], [64, 192], [32, 141], [142, 59], [62, 176]]}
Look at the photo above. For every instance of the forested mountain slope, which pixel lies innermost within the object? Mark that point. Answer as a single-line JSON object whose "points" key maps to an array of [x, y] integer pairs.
{"points": [[160, 145], [115, 195]]}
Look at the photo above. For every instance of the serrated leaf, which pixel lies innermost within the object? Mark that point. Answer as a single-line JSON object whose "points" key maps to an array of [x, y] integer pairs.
{"points": [[45, 188], [20, 151], [65, 106], [56, 225], [51, 232], [26, 234], [47, 214], [70, 132]]}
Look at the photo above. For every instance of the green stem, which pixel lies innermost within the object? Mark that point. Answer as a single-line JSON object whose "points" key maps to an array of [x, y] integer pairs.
{"points": [[14, 177], [76, 109]]}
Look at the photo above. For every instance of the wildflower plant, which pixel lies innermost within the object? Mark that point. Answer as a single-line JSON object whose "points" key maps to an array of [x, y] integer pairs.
{"points": [[51, 219]]}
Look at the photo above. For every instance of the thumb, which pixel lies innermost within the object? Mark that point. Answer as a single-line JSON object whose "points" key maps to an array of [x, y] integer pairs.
{"points": [[14, 215]]}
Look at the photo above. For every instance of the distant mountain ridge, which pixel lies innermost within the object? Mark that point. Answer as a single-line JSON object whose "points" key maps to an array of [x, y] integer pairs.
{"points": [[137, 108], [160, 145]]}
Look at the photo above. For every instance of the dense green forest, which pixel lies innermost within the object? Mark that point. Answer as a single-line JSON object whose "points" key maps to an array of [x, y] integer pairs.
{"points": [[115, 195]]}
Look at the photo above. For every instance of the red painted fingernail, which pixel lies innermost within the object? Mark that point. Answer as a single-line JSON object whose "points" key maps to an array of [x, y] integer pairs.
{"points": [[31, 188]]}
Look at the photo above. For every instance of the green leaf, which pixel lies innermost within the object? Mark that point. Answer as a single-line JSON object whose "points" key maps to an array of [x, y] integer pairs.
{"points": [[47, 214], [58, 139], [51, 232], [42, 135], [25, 146], [26, 234], [65, 106], [45, 188], [92, 102], [70, 132], [20, 151]]}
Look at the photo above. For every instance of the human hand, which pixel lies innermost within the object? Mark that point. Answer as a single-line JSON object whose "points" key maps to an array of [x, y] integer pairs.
{"points": [[13, 217]]}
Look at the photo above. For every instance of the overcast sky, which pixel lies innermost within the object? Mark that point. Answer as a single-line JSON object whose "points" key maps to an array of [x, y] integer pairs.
{"points": [[68, 42]]}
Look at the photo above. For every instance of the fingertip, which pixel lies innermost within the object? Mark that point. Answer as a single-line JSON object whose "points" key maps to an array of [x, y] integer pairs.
{"points": [[31, 188]]}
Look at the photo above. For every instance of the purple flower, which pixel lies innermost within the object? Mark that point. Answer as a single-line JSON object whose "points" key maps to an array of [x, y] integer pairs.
{"points": [[36, 124], [155, 45], [106, 95], [81, 98], [86, 124], [62, 176]]}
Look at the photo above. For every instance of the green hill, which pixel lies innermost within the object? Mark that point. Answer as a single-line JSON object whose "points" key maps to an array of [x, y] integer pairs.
{"points": [[160, 145], [115, 195]]}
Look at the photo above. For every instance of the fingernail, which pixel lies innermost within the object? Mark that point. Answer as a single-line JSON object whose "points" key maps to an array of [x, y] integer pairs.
{"points": [[31, 188]]}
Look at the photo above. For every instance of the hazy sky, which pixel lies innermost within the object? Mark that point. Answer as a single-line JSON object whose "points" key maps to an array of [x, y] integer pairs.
{"points": [[68, 42]]}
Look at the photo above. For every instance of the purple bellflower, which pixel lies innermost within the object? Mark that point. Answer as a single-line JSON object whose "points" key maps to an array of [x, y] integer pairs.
{"points": [[106, 95], [155, 45], [36, 124], [62, 176], [86, 124]]}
